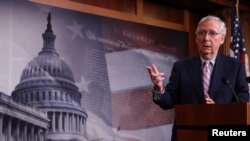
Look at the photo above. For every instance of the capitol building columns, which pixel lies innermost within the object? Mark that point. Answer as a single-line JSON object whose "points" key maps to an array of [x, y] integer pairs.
{"points": [[67, 122], [14, 129]]}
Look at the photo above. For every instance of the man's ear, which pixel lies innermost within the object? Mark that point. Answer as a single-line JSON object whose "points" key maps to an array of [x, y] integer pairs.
{"points": [[222, 40]]}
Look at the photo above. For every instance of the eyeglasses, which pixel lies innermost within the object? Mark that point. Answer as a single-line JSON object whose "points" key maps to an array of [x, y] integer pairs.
{"points": [[202, 34]]}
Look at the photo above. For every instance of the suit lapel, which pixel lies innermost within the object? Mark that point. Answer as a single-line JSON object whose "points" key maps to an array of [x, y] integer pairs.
{"points": [[218, 72], [195, 73]]}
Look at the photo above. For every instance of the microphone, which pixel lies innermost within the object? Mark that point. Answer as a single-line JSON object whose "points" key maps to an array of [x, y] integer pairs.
{"points": [[227, 82]]}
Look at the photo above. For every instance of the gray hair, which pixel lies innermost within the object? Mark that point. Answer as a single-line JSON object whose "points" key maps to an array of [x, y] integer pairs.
{"points": [[223, 29]]}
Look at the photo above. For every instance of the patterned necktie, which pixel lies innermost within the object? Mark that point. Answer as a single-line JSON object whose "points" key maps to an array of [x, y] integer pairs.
{"points": [[206, 76]]}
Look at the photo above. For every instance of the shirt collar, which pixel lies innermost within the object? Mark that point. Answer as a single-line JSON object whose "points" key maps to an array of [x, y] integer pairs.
{"points": [[212, 60]]}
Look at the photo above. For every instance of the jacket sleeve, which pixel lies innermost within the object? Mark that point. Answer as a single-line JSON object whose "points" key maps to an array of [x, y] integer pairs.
{"points": [[167, 99], [241, 85]]}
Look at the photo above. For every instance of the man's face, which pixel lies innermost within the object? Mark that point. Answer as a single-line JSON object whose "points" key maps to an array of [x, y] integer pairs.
{"points": [[209, 39]]}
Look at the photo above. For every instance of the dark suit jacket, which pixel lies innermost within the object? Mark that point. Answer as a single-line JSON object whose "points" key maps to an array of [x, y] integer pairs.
{"points": [[186, 86]]}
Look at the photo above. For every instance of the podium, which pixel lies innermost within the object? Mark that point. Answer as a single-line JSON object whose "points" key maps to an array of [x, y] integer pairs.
{"points": [[192, 120]]}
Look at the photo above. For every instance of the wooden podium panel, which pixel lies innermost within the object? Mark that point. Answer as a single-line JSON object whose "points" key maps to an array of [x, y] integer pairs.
{"points": [[192, 120], [191, 135]]}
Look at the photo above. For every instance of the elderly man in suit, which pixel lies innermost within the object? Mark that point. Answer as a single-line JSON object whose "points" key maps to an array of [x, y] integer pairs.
{"points": [[205, 78]]}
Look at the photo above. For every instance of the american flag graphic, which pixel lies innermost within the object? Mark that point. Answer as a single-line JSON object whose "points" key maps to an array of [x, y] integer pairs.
{"points": [[238, 49]]}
